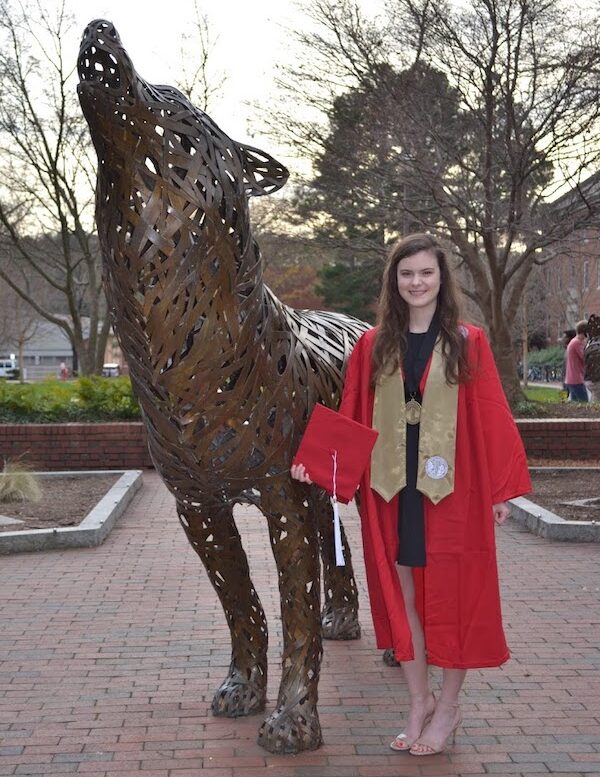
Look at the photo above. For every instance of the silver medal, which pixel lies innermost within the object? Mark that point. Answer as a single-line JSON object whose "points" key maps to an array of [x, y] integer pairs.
{"points": [[436, 467]]}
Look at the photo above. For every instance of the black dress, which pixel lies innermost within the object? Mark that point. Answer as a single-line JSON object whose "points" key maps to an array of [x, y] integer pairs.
{"points": [[411, 517]]}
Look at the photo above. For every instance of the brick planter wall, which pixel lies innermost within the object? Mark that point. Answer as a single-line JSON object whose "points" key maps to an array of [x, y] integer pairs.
{"points": [[123, 445], [77, 446], [561, 438]]}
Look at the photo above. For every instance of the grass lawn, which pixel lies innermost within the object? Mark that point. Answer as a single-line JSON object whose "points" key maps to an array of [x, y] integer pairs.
{"points": [[544, 394]]}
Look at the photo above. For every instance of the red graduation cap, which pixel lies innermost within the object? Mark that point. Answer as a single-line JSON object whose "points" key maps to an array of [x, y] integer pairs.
{"points": [[334, 445]]}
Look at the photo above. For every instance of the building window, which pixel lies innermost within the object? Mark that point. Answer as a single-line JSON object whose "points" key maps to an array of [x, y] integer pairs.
{"points": [[586, 275]]}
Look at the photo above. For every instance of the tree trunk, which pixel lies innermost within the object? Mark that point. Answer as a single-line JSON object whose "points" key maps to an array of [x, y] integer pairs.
{"points": [[505, 361], [75, 360], [88, 356], [21, 345], [103, 336]]}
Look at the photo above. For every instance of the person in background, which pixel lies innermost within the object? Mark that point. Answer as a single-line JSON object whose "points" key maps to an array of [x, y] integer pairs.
{"points": [[568, 335], [63, 371], [447, 459], [574, 365]]}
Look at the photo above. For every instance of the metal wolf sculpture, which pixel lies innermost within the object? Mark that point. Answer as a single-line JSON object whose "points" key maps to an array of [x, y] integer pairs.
{"points": [[225, 374], [591, 353]]}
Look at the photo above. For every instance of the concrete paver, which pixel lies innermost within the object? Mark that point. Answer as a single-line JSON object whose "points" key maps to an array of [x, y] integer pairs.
{"points": [[109, 658]]}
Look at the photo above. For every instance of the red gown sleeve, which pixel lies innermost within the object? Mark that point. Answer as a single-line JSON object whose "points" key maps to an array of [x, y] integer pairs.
{"points": [[350, 404], [506, 458]]}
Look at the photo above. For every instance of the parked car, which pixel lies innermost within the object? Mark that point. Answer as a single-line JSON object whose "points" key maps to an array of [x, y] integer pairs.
{"points": [[111, 370], [9, 368]]}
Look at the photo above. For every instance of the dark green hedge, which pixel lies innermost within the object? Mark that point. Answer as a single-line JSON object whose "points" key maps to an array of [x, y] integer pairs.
{"points": [[54, 401]]}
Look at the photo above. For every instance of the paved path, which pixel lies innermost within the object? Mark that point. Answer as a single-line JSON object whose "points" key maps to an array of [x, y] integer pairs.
{"points": [[108, 659]]}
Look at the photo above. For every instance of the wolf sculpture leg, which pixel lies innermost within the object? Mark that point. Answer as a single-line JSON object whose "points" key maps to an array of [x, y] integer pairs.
{"points": [[214, 536], [294, 724], [339, 616]]}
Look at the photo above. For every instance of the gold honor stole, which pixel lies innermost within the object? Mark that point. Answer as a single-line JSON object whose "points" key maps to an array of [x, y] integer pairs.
{"points": [[437, 435]]}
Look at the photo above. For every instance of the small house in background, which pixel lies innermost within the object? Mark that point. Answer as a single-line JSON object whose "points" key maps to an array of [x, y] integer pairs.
{"points": [[49, 348], [44, 352]]}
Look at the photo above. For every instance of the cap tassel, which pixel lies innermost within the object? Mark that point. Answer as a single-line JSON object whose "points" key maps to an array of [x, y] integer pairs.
{"points": [[337, 531]]}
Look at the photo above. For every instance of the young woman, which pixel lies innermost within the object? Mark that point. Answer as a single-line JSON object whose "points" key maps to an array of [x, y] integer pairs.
{"points": [[447, 459]]}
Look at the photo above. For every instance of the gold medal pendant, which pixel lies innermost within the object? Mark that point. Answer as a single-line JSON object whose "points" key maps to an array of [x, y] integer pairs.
{"points": [[413, 412]]}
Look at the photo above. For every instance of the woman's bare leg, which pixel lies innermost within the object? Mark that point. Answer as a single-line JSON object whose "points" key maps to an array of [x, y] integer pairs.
{"points": [[446, 717], [447, 711], [421, 699]]}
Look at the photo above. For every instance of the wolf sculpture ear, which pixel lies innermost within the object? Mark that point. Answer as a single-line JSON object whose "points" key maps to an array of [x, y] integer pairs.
{"points": [[262, 173]]}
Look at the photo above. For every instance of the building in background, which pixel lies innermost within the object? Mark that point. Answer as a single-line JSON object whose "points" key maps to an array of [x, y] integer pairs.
{"points": [[49, 347], [44, 352], [570, 282]]}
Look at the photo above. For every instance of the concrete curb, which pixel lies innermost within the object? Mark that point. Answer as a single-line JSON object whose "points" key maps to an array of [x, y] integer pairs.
{"points": [[94, 528], [549, 525]]}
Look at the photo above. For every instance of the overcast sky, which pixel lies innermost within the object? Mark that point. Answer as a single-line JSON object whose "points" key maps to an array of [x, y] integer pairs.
{"points": [[252, 36]]}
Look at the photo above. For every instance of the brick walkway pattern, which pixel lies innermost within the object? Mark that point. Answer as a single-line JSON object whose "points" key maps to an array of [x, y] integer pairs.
{"points": [[109, 657]]}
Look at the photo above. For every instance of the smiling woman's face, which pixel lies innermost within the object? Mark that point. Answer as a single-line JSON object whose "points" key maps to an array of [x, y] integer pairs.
{"points": [[419, 279]]}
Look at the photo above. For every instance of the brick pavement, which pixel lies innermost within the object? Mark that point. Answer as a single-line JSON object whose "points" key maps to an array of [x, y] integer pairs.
{"points": [[109, 657]]}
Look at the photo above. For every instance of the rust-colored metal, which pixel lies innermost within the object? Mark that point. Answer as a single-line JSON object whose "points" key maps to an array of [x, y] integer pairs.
{"points": [[389, 659], [226, 375], [591, 352]]}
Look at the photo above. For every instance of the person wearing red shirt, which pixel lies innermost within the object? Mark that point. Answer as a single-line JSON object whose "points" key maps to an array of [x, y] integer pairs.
{"points": [[574, 365], [447, 459]]}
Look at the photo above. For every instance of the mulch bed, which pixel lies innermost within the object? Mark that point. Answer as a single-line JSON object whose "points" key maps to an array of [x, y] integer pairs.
{"points": [[65, 502], [553, 489]]}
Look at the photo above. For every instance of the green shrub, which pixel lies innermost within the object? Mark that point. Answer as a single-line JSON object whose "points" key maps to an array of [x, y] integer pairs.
{"points": [[55, 401], [111, 397], [553, 357], [529, 409]]}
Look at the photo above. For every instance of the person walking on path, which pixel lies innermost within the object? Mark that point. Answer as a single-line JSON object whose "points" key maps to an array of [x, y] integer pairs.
{"points": [[568, 335], [574, 365], [447, 459]]}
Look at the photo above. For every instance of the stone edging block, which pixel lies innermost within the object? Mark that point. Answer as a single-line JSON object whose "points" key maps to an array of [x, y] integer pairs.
{"points": [[549, 525], [94, 528]]}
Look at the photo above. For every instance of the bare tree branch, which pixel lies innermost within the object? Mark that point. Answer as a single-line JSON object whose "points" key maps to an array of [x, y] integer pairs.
{"points": [[46, 196], [201, 82], [463, 119]]}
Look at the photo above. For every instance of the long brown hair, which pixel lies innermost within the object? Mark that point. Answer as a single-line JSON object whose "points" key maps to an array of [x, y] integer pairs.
{"points": [[393, 315]]}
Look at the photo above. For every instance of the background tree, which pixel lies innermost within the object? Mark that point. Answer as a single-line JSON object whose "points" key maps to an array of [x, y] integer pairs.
{"points": [[199, 79], [46, 194], [291, 257], [47, 169], [18, 322], [375, 137], [502, 116]]}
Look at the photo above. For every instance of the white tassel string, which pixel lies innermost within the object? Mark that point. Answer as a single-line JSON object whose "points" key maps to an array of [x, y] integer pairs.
{"points": [[337, 532]]}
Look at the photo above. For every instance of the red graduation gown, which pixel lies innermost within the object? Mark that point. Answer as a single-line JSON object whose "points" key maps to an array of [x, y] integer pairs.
{"points": [[457, 592]]}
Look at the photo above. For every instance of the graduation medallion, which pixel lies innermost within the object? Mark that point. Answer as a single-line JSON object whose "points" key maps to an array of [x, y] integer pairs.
{"points": [[413, 412], [436, 467]]}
